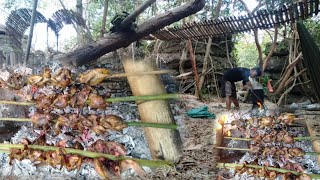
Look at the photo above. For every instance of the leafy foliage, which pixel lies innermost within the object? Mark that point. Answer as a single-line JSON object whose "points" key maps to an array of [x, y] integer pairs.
{"points": [[245, 51], [313, 26]]}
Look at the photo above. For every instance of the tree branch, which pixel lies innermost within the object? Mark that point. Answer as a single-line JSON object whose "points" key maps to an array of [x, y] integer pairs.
{"points": [[114, 41], [273, 47], [136, 13]]}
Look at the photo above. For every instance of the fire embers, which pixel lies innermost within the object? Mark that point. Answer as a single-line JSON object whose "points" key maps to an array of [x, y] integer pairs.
{"points": [[98, 124]]}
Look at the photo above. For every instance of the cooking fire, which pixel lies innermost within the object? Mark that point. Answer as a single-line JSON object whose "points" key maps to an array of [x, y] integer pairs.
{"points": [[267, 145]]}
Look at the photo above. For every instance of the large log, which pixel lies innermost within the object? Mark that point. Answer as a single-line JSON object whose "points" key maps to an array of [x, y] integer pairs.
{"points": [[114, 41], [163, 143]]}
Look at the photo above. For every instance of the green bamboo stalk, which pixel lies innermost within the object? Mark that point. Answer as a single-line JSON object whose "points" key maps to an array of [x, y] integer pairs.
{"points": [[233, 166], [142, 162], [236, 138], [143, 98], [155, 125], [295, 138], [233, 149], [140, 124]]}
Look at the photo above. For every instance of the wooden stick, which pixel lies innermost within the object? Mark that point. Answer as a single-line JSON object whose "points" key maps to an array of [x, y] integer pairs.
{"points": [[142, 162], [233, 149], [139, 73], [234, 165], [114, 99], [245, 149], [139, 124], [295, 138]]}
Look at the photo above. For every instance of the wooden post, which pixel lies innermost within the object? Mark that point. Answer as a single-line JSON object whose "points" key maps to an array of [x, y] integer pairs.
{"points": [[33, 17], [194, 68], [163, 143]]}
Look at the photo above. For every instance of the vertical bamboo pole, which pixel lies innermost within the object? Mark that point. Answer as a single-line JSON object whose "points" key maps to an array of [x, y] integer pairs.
{"points": [[163, 143]]}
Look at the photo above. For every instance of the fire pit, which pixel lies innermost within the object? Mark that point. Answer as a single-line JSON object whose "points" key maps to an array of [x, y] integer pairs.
{"points": [[262, 143]]}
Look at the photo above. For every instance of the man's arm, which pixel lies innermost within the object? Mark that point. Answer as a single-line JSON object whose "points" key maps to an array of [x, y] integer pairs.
{"points": [[248, 85]]}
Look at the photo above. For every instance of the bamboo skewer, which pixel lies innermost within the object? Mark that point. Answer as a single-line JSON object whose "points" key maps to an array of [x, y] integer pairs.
{"points": [[140, 124], [143, 162], [295, 138], [233, 166], [245, 149], [139, 74], [114, 99]]}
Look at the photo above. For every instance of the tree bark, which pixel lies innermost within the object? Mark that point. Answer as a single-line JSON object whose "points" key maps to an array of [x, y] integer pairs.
{"points": [[35, 4], [114, 41], [104, 18], [80, 38], [256, 40], [136, 13], [287, 75]]}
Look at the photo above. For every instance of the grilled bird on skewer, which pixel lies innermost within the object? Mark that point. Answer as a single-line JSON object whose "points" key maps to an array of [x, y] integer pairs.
{"points": [[272, 175], [98, 124], [277, 151], [281, 136]]}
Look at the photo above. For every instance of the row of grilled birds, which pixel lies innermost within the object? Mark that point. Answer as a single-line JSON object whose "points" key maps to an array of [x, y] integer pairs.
{"points": [[276, 144]]}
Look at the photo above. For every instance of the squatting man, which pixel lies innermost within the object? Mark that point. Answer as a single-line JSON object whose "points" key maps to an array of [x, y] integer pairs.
{"points": [[228, 88]]}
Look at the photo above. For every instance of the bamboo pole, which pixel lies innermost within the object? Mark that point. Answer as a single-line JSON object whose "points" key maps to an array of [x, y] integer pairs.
{"points": [[143, 162], [163, 143], [138, 74]]}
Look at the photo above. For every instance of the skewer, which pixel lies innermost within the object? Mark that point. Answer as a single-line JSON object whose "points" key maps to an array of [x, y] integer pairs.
{"points": [[90, 154], [139, 74], [233, 166], [114, 99], [139, 124], [295, 138], [245, 149]]}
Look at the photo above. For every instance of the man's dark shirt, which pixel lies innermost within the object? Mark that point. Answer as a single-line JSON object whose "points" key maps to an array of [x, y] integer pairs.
{"points": [[237, 74]]}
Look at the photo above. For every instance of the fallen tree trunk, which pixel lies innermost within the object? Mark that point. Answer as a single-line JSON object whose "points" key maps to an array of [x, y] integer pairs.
{"points": [[114, 41]]}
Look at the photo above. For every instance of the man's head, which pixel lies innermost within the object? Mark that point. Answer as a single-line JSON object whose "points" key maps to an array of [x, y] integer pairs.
{"points": [[255, 72]]}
